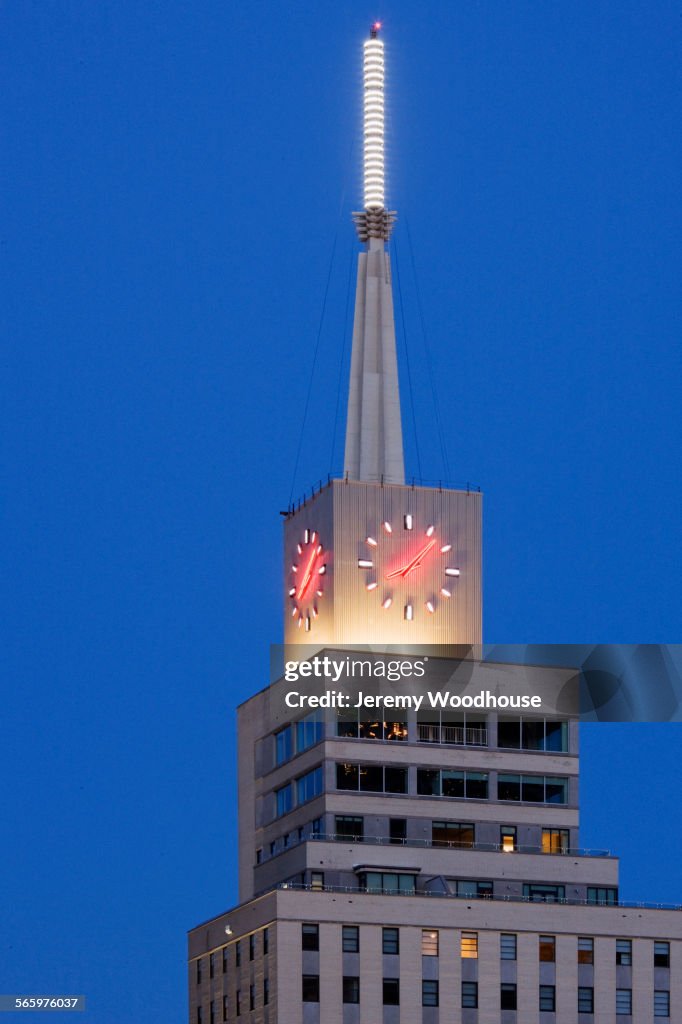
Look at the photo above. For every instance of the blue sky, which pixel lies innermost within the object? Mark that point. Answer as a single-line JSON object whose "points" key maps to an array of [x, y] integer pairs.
{"points": [[177, 189]]}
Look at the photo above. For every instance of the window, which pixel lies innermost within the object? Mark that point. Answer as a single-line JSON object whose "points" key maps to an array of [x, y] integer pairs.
{"points": [[211, 965], [543, 893], [459, 731], [309, 731], [252, 947], [555, 840], [273, 847], [387, 882], [429, 946], [469, 946], [624, 952], [238, 1003], [224, 959], [317, 880], [585, 1000], [508, 838], [661, 954], [353, 729], [534, 789], [310, 937], [446, 782], [547, 949], [533, 734], [200, 1015], [237, 954], [585, 951], [507, 947], [350, 938], [390, 940], [225, 1008], [211, 1012], [470, 995], [397, 831], [471, 889], [601, 895], [458, 835], [266, 991], [371, 778], [351, 989], [508, 997], [391, 994], [348, 827], [283, 748], [547, 998], [429, 993], [310, 988], [309, 785], [624, 1002], [266, 941], [198, 979], [259, 855], [252, 997], [661, 1004], [283, 798]]}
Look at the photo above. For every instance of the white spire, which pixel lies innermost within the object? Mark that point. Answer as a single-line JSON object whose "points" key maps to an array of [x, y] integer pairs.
{"points": [[374, 439]]}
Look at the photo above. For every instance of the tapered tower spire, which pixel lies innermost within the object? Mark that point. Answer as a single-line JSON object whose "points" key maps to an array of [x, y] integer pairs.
{"points": [[374, 441]]}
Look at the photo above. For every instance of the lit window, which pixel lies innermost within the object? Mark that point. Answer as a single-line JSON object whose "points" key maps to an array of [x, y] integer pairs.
{"points": [[508, 838], [454, 834], [429, 946], [350, 938], [547, 949], [310, 937], [507, 947], [661, 1004], [317, 880], [661, 954], [585, 951], [555, 840], [547, 998], [429, 993], [470, 995], [390, 940], [391, 992], [585, 1000], [469, 945], [624, 952], [310, 988], [624, 1002], [508, 997], [351, 989]]}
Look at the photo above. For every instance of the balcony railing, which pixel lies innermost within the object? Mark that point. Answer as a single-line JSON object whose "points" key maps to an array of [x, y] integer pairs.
{"points": [[438, 844], [566, 901], [458, 735]]}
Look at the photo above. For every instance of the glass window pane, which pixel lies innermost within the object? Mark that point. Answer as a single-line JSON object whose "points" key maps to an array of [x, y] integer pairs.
{"points": [[585, 1000], [556, 790], [533, 789], [477, 785], [453, 783], [509, 733], [396, 780], [371, 778], [350, 938], [507, 947], [533, 734], [351, 989], [556, 736], [428, 782], [508, 787], [347, 776], [390, 940]]}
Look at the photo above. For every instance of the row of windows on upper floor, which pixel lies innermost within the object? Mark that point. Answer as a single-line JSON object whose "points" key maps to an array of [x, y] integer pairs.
{"points": [[220, 960], [539, 734], [438, 782]]}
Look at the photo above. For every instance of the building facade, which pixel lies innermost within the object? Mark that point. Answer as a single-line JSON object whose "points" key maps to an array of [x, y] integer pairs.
{"points": [[429, 867]]}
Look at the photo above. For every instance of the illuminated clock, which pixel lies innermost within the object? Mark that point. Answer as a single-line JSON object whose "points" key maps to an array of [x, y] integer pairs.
{"points": [[306, 585], [408, 565]]}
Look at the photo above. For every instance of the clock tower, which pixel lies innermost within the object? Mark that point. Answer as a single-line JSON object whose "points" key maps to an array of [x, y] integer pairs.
{"points": [[371, 559]]}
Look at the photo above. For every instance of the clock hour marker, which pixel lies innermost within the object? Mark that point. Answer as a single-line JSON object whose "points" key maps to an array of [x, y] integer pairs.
{"points": [[307, 623], [446, 547], [452, 572], [445, 593], [292, 591], [387, 527], [299, 548], [372, 542], [319, 593], [429, 531], [294, 568], [365, 563], [429, 607], [322, 570], [294, 611], [372, 586], [409, 612], [306, 536], [387, 603], [408, 521], [315, 613]]}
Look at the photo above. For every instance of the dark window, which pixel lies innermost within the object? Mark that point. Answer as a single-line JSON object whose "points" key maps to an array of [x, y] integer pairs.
{"points": [[252, 947], [470, 995], [585, 950], [266, 991], [284, 799], [585, 1000], [347, 827], [372, 778], [509, 733], [200, 1015], [624, 1002], [543, 893], [534, 789], [309, 785], [387, 882], [624, 952], [507, 947], [316, 827], [661, 954], [225, 1008], [348, 730], [198, 979], [395, 780], [547, 998], [429, 993], [661, 1004], [347, 776], [237, 954], [211, 965], [508, 787], [224, 959], [508, 997], [266, 941], [350, 938], [351, 989], [428, 782], [283, 748], [310, 936], [238, 1003], [448, 782], [252, 997], [468, 888], [259, 855], [390, 940], [397, 830], [391, 992], [547, 948], [533, 734], [601, 895], [309, 731], [459, 835], [310, 988]]}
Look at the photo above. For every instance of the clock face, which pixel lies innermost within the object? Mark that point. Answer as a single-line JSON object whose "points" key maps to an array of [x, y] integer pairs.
{"points": [[403, 559], [306, 579]]}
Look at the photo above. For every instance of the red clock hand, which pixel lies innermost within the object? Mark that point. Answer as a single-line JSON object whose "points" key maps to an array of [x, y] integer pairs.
{"points": [[414, 564], [307, 576]]}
